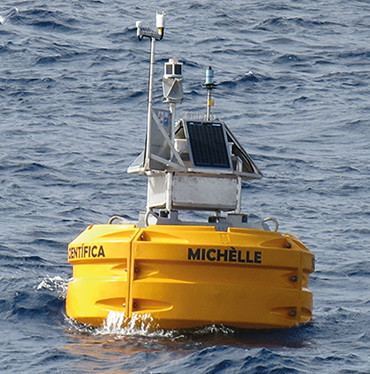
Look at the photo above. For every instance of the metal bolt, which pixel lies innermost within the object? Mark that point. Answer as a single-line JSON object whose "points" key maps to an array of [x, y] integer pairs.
{"points": [[294, 278], [288, 245], [293, 313]]}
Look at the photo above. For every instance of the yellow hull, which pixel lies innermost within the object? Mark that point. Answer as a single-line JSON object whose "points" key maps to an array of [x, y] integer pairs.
{"points": [[190, 276]]}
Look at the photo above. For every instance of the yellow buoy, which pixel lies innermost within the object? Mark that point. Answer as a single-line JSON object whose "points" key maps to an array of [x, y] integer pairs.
{"points": [[225, 271], [189, 276]]}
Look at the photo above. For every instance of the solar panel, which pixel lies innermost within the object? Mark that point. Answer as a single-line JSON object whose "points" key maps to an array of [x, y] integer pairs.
{"points": [[208, 145]]}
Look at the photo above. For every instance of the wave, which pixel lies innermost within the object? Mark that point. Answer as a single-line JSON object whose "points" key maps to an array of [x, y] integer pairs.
{"points": [[288, 58], [21, 260], [249, 77], [6, 15], [43, 302], [47, 19], [281, 23], [217, 359], [57, 285], [27, 305]]}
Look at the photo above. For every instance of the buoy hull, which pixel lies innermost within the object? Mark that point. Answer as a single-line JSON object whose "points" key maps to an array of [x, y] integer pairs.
{"points": [[190, 276]]}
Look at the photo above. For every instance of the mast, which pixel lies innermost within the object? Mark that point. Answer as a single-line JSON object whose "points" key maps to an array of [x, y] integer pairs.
{"points": [[154, 35], [209, 85]]}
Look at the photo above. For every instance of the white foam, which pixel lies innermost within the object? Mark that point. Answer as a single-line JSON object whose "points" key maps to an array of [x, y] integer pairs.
{"points": [[7, 14], [138, 325], [55, 284]]}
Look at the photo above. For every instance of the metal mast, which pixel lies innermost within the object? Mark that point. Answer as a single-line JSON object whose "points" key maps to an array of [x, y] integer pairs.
{"points": [[153, 35], [209, 85]]}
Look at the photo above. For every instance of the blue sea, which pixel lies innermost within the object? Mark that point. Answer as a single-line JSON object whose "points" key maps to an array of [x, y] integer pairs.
{"points": [[293, 85]]}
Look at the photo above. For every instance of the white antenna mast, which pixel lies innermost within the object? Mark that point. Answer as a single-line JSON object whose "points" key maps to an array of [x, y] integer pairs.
{"points": [[153, 35]]}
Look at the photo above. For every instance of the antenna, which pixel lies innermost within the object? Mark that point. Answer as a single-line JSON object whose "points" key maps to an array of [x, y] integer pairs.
{"points": [[153, 35], [209, 85]]}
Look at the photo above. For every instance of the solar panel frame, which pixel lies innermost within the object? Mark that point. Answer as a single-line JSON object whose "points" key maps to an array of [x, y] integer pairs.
{"points": [[208, 146]]}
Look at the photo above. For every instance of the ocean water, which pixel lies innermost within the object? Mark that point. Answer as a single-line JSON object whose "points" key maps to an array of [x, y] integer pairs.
{"points": [[293, 86]]}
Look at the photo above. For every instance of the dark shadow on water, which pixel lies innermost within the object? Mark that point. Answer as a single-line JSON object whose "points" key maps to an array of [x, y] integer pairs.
{"points": [[294, 337]]}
